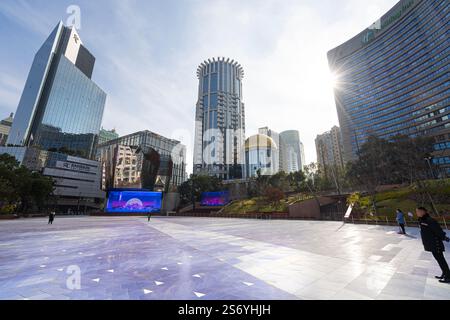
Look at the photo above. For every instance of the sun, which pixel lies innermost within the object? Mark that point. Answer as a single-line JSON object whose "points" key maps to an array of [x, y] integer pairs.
{"points": [[332, 80]]}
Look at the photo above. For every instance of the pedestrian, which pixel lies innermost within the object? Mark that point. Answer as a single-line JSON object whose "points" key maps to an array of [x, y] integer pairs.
{"points": [[51, 217], [149, 216], [432, 239], [401, 221]]}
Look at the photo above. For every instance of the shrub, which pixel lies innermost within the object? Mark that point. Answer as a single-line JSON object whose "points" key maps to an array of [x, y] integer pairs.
{"points": [[7, 209], [273, 195]]}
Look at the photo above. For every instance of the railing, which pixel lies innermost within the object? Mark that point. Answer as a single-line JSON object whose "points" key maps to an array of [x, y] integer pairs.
{"points": [[339, 217]]}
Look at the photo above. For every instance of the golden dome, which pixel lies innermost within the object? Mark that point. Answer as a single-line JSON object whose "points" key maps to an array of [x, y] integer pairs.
{"points": [[260, 141]]}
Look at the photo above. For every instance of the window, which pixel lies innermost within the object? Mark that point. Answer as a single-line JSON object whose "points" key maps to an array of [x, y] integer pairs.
{"points": [[205, 84], [214, 102], [214, 82]]}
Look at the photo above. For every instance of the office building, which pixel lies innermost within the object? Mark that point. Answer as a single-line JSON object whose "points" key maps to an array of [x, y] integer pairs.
{"points": [[61, 108], [77, 180], [277, 151], [5, 127], [57, 122], [329, 152], [292, 151], [261, 155], [220, 120], [107, 135], [142, 160], [394, 78]]}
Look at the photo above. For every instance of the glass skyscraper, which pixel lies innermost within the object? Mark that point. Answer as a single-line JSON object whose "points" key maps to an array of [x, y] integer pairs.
{"points": [[291, 151], [61, 108], [220, 120], [393, 78]]}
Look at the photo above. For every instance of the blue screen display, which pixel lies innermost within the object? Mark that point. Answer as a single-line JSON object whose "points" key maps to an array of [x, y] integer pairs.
{"points": [[134, 201], [214, 199]]}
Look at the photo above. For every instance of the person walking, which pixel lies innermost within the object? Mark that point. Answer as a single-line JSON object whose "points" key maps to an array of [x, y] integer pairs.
{"points": [[432, 239], [149, 216], [51, 217], [401, 221]]}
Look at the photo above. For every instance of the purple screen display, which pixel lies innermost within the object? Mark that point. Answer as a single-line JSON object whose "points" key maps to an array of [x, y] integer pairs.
{"points": [[134, 201], [214, 199]]}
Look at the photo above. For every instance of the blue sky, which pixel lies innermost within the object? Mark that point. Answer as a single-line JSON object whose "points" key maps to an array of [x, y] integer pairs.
{"points": [[148, 51]]}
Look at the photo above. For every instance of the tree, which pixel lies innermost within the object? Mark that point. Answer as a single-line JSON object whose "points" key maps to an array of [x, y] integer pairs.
{"points": [[274, 195], [396, 161], [192, 189], [297, 181], [21, 187]]}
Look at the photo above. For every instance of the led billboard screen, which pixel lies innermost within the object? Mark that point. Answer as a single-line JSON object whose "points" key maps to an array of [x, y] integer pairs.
{"points": [[214, 199], [133, 201]]}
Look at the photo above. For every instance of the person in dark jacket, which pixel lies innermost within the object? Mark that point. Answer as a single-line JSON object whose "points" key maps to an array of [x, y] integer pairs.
{"points": [[432, 239], [401, 221], [51, 217]]}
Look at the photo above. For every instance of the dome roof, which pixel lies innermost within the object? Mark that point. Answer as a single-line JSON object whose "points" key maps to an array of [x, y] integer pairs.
{"points": [[260, 141]]}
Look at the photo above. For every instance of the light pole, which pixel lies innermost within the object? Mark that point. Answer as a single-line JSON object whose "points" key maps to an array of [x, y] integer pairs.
{"points": [[428, 160]]}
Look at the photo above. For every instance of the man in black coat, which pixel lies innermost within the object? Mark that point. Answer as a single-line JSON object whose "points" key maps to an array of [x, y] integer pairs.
{"points": [[432, 239]]}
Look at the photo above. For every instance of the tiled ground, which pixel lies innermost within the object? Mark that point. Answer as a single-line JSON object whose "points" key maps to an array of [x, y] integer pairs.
{"points": [[201, 258]]}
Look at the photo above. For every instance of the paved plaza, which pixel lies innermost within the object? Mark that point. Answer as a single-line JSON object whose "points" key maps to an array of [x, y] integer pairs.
{"points": [[202, 258]]}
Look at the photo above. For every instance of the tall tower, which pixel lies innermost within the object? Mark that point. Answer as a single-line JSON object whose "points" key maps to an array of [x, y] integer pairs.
{"points": [[291, 151], [220, 120], [393, 79], [61, 108]]}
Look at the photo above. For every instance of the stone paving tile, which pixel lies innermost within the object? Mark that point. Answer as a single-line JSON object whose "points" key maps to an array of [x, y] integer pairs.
{"points": [[175, 258]]}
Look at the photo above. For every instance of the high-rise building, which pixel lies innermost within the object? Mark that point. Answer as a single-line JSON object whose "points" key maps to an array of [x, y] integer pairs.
{"points": [[291, 151], [107, 135], [142, 160], [393, 78], [61, 108], [329, 151], [57, 122], [276, 167], [220, 120], [261, 155], [5, 127]]}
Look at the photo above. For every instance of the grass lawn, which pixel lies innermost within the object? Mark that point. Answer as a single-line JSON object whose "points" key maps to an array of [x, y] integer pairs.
{"points": [[261, 205], [406, 199]]}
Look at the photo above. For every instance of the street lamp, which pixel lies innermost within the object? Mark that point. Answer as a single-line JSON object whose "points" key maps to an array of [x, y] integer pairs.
{"points": [[428, 160]]}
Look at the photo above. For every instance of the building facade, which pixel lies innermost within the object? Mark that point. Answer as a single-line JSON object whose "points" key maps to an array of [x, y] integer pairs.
{"points": [[277, 151], [329, 151], [220, 120], [57, 122], [261, 155], [5, 127], [393, 78], [77, 180], [142, 160], [107, 135], [292, 151], [61, 108]]}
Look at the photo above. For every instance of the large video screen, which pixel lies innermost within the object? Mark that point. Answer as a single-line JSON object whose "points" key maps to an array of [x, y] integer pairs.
{"points": [[134, 201], [214, 199]]}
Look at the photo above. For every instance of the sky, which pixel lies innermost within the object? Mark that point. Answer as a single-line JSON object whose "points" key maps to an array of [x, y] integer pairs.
{"points": [[147, 54]]}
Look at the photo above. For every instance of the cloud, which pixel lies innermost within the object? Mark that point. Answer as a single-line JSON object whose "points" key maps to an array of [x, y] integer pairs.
{"points": [[10, 91], [148, 52], [24, 14]]}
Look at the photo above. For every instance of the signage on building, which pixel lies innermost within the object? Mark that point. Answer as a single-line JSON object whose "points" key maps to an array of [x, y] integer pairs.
{"points": [[377, 27], [73, 166]]}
